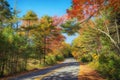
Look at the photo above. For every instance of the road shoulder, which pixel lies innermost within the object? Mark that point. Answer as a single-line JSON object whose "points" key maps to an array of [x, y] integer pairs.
{"points": [[87, 73]]}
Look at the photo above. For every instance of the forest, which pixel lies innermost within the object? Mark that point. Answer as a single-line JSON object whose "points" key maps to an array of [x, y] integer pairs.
{"points": [[30, 42], [29, 45]]}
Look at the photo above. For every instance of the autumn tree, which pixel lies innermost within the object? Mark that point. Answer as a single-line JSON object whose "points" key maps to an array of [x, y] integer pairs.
{"points": [[33, 40], [85, 9], [29, 18], [29, 21], [47, 35]]}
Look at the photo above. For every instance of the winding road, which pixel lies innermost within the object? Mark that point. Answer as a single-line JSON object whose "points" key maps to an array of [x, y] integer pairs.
{"points": [[67, 70]]}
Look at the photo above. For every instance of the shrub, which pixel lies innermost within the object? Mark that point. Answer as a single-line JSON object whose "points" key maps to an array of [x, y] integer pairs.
{"points": [[50, 59], [59, 57], [95, 56], [86, 58], [109, 66]]}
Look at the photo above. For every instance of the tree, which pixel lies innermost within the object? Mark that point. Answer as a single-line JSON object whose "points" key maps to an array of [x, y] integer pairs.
{"points": [[110, 30], [89, 8], [5, 11], [13, 53], [70, 27], [29, 21], [85, 9], [47, 36], [29, 18], [15, 18], [87, 42]]}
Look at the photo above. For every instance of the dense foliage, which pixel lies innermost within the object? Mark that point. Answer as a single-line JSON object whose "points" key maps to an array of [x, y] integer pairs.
{"points": [[39, 41], [33, 43], [99, 36], [83, 9]]}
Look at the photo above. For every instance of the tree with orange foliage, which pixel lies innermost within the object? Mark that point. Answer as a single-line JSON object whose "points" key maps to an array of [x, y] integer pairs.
{"points": [[85, 9], [47, 35], [104, 18]]}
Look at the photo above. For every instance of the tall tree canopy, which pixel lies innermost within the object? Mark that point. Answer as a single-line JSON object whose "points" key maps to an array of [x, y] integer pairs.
{"points": [[5, 12], [29, 18], [86, 8]]}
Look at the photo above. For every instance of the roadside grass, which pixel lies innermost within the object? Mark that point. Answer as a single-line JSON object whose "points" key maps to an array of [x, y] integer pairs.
{"points": [[34, 64]]}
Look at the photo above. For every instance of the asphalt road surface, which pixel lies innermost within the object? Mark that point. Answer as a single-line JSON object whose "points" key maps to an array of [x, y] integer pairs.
{"points": [[67, 70]]}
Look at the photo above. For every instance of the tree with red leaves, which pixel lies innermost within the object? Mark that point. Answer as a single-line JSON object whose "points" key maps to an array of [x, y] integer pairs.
{"points": [[106, 14], [48, 34], [85, 9]]}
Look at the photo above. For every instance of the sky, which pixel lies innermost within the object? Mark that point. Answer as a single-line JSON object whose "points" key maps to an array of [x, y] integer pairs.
{"points": [[43, 7]]}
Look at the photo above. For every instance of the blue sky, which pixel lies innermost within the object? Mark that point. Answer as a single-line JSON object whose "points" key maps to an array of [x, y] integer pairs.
{"points": [[43, 7]]}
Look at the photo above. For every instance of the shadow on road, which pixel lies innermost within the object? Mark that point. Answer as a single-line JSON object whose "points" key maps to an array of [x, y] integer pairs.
{"points": [[48, 70], [61, 76]]}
